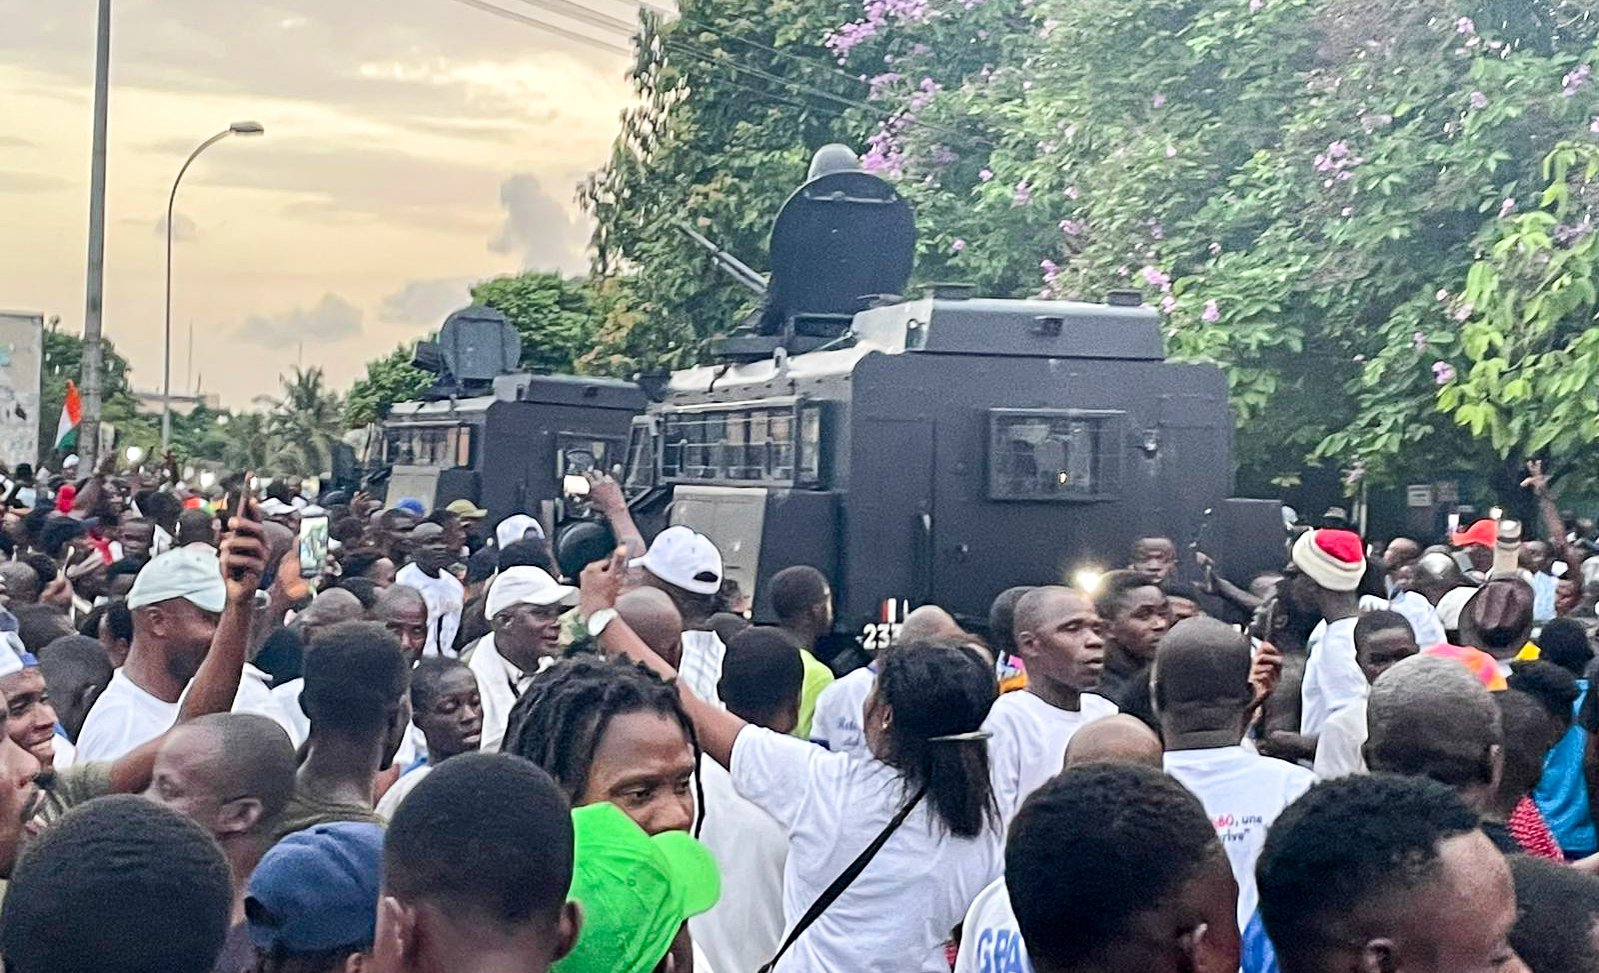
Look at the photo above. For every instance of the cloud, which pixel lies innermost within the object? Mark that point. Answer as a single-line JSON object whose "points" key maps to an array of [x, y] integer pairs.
{"points": [[333, 319], [183, 228], [32, 182], [538, 227], [425, 303]]}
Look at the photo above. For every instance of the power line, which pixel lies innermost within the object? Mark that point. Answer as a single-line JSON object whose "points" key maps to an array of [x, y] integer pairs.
{"points": [[526, 21], [582, 14], [789, 55], [682, 46]]}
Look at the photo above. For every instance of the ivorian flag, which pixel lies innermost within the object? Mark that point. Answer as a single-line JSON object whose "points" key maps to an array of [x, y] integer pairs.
{"points": [[71, 415]]}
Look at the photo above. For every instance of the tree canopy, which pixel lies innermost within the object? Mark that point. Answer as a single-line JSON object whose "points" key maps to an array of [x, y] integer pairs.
{"points": [[1374, 214], [558, 318]]}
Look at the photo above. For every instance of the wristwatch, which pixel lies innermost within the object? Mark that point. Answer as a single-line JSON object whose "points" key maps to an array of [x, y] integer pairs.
{"points": [[599, 620]]}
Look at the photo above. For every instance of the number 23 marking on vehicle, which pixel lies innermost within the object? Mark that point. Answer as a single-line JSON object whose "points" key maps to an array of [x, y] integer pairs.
{"points": [[877, 636]]}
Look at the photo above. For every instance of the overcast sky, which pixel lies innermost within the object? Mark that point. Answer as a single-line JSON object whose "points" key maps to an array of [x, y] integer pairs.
{"points": [[411, 147]]}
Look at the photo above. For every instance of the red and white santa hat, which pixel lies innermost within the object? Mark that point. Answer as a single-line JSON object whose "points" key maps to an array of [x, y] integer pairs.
{"points": [[1334, 559]]}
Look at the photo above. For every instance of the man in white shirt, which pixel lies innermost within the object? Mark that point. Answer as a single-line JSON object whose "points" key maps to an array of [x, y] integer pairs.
{"points": [[1381, 639], [523, 607], [1325, 572], [1058, 637], [762, 679], [176, 601], [445, 595], [1203, 697], [687, 566]]}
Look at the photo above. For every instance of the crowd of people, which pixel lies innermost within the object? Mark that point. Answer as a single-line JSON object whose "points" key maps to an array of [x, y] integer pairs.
{"points": [[442, 748]]}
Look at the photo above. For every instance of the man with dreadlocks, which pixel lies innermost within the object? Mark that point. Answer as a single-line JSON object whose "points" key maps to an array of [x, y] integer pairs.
{"points": [[610, 731]]}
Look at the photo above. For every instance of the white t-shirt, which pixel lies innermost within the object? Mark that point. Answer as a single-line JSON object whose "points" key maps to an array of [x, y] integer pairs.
{"points": [[836, 724], [1243, 793], [1028, 745], [397, 792], [1423, 618], [701, 668], [745, 928], [1339, 752], [287, 697], [445, 598], [65, 753], [991, 942], [898, 913], [255, 696], [123, 718], [1333, 678]]}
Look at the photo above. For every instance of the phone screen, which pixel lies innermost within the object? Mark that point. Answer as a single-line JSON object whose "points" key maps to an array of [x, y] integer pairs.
{"points": [[313, 545]]}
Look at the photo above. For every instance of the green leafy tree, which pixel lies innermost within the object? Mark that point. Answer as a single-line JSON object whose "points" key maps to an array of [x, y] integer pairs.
{"points": [[388, 380], [734, 97], [63, 360], [304, 423], [555, 315], [1300, 186]]}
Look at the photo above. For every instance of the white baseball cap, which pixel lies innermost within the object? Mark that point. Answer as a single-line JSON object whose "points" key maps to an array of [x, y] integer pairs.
{"points": [[526, 585], [1452, 604], [684, 558], [514, 528], [189, 573]]}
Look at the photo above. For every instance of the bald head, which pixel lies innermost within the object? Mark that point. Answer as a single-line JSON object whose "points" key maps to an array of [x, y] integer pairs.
{"points": [[653, 617], [1201, 677], [332, 606], [1431, 717], [21, 582], [1119, 739], [930, 624], [1400, 552], [233, 773]]}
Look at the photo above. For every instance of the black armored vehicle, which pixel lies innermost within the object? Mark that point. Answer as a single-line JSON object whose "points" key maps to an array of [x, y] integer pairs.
{"points": [[935, 448], [498, 437]]}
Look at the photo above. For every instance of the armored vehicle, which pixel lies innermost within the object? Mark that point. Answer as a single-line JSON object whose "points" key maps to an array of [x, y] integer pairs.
{"points": [[935, 448], [501, 438]]}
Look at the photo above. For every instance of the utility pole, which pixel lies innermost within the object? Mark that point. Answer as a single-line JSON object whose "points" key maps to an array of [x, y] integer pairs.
{"points": [[89, 428]]}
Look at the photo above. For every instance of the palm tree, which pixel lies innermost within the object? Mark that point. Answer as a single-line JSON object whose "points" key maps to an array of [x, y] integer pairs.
{"points": [[305, 423], [250, 443]]}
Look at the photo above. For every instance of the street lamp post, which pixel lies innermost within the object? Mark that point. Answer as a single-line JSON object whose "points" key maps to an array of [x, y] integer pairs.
{"points": [[237, 128]]}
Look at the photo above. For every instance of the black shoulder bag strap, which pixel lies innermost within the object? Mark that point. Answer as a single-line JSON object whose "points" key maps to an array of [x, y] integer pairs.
{"points": [[847, 876]]}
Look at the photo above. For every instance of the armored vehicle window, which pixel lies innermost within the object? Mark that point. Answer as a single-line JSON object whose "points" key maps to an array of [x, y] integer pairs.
{"points": [[734, 446], [1050, 454], [641, 455], [578, 453], [809, 461], [445, 447]]}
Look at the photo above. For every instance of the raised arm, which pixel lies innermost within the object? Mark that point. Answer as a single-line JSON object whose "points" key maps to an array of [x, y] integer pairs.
{"points": [[217, 682], [605, 495], [716, 728], [1554, 529]]}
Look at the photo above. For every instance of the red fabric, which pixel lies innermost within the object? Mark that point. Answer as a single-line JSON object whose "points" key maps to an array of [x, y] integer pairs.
{"points": [[1341, 545], [1484, 533], [1532, 832], [64, 498]]}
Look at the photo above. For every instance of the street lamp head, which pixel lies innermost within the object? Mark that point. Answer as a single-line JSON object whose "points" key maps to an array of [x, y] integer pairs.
{"points": [[247, 128]]}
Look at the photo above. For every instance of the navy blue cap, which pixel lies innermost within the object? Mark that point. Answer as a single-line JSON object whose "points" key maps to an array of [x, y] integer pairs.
{"points": [[317, 890]]}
